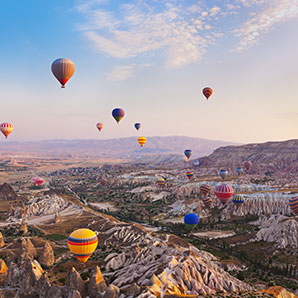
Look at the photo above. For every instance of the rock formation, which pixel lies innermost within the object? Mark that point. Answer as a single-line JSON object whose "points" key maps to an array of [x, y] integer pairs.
{"points": [[27, 250], [97, 283], [10, 210], [2, 243], [3, 270], [47, 255], [279, 292], [23, 227], [111, 292], [7, 193], [74, 282]]}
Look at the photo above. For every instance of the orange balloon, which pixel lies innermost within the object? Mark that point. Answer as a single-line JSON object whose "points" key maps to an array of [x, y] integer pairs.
{"points": [[6, 128]]}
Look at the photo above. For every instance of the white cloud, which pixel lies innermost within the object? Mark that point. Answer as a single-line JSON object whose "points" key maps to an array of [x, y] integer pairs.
{"points": [[142, 28], [124, 72], [276, 11]]}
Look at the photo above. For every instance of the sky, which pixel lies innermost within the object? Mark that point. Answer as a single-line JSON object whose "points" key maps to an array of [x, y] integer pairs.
{"points": [[151, 58]]}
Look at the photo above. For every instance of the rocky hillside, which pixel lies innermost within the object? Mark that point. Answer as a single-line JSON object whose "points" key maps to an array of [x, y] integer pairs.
{"points": [[270, 157], [7, 193]]}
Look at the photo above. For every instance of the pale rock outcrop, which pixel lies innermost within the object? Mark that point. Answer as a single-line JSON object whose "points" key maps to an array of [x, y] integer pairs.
{"points": [[279, 229], [97, 283], [132, 290], [47, 255], [2, 243], [10, 210], [111, 292], [74, 282], [23, 227], [279, 292], [33, 280], [57, 217], [27, 250]]}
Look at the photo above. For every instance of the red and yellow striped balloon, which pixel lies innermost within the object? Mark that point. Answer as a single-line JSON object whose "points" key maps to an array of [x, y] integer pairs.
{"points": [[142, 141], [82, 243], [6, 128]]}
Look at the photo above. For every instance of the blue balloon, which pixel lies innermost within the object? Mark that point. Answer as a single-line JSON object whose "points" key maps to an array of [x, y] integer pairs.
{"points": [[137, 126], [191, 219], [223, 173]]}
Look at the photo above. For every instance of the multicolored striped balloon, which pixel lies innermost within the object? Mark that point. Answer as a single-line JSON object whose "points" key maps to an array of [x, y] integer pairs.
{"points": [[189, 174], [293, 202], [207, 202], [82, 243], [188, 153], [224, 192], [6, 128], [142, 141], [205, 189], [207, 92], [63, 69], [160, 181], [238, 199]]}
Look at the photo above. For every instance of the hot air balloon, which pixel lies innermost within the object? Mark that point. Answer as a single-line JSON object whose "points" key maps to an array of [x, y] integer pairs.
{"points": [[160, 181], [188, 153], [207, 92], [189, 174], [82, 243], [103, 182], [223, 173], [63, 69], [293, 202], [205, 189], [37, 181], [238, 200], [224, 192], [196, 163], [6, 128], [239, 171], [247, 165], [118, 114], [191, 220], [207, 201], [142, 141], [99, 126], [137, 126]]}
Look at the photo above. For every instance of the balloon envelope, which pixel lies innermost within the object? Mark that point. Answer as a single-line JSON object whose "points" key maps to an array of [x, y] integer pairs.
{"points": [[37, 181], [207, 202], [238, 199], [63, 69], [82, 243], [189, 174], [118, 114], [248, 165], [207, 92], [205, 189], [6, 128], [224, 192], [196, 163], [188, 153], [223, 173], [191, 219], [239, 171], [142, 141], [137, 126], [99, 126], [160, 181], [293, 202]]}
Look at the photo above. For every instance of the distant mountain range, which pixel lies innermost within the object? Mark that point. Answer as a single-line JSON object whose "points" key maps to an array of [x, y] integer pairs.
{"points": [[120, 148]]}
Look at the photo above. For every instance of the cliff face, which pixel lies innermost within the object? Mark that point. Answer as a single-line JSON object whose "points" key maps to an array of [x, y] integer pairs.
{"points": [[270, 156]]}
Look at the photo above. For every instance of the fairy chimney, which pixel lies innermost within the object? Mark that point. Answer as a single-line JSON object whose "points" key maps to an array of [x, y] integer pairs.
{"points": [[47, 255], [24, 227], [2, 243]]}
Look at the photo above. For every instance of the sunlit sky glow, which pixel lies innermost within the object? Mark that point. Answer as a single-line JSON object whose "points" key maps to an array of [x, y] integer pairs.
{"points": [[151, 58]]}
